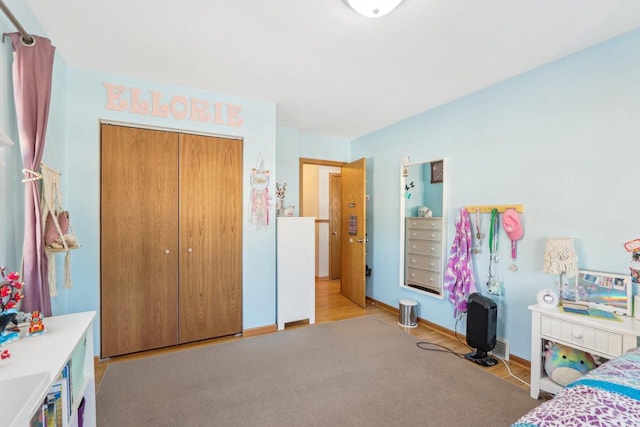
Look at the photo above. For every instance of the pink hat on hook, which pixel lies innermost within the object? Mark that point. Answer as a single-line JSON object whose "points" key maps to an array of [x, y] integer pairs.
{"points": [[512, 225]]}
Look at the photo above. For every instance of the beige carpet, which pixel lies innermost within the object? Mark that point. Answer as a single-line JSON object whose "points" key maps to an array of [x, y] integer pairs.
{"points": [[356, 372]]}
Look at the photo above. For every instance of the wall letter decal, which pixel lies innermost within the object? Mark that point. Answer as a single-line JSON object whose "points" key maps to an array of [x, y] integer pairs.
{"points": [[180, 107], [217, 119], [138, 107], [158, 110], [180, 115], [199, 110], [113, 97], [233, 115]]}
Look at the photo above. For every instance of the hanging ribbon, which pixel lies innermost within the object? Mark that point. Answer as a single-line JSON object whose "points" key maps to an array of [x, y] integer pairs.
{"points": [[493, 247]]}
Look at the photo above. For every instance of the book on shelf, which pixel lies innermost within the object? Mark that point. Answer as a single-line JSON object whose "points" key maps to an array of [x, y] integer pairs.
{"points": [[39, 419], [68, 378], [57, 401], [54, 408]]}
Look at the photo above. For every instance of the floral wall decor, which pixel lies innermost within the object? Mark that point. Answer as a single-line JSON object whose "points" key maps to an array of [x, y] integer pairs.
{"points": [[260, 197]]}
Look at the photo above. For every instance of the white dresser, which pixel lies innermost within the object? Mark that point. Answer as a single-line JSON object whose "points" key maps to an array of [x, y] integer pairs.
{"points": [[605, 338], [296, 262], [423, 253]]}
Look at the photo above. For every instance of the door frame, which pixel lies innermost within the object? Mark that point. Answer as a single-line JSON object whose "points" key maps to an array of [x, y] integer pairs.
{"points": [[302, 161], [315, 162]]}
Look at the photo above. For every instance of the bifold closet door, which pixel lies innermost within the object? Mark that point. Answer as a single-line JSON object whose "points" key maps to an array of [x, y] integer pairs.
{"points": [[139, 240], [210, 277]]}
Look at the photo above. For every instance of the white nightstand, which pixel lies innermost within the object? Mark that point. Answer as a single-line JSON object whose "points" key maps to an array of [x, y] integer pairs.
{"points": [[605, 338]]}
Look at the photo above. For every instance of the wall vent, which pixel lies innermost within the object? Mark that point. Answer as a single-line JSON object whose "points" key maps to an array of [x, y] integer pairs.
{"points": [[501, 349]]}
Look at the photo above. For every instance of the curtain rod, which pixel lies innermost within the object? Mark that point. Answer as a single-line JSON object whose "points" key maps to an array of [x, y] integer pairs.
{"points": [[26, 38]]}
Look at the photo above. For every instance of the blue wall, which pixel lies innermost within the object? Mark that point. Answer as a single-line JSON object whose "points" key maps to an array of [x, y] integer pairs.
{"points": [[562, 140], [292, 145]]}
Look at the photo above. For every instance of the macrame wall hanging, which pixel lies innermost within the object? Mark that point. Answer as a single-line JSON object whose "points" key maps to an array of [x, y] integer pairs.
{"points": [[58, 234], [260, 197]]}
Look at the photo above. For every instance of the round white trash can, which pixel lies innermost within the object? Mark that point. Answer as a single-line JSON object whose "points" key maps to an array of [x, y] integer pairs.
{"points": [[407, 313]]}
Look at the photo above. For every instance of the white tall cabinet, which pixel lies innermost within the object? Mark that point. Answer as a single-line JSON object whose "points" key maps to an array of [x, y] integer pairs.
{"points": [[296, 269]]}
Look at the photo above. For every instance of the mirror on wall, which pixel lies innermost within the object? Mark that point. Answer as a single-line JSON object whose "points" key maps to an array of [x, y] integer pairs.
{"points": [[423, 226]]}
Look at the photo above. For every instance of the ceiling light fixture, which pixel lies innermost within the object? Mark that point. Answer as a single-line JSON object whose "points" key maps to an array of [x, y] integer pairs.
{"points": [[373, 8]]}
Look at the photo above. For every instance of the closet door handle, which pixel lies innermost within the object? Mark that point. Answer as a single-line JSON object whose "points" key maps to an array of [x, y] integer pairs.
{"points": [[190, 250], [166, 251]]}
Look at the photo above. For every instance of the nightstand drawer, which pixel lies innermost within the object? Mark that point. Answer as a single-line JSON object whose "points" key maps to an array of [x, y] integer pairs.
{"points": [[423, 247], [608, 343]]}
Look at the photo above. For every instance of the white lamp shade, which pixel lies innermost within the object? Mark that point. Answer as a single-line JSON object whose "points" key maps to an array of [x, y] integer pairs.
{"points": [[373, 8], [560, 257]]}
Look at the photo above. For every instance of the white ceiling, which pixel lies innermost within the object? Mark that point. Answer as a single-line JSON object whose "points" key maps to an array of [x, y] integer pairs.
{"points": [[329, 70]]}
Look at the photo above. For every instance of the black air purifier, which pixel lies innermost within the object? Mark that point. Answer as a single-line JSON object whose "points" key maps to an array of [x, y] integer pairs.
{"points": [[482, 319]]}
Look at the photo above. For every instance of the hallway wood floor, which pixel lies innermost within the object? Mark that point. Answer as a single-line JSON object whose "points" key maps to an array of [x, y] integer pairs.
{"points": [[332, 306]]}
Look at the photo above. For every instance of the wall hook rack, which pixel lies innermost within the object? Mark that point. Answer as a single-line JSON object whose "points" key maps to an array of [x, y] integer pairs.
{"points": [[489, 208]]}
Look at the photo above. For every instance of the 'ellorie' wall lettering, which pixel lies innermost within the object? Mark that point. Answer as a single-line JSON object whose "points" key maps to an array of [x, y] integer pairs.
{"points": [[132, 99]]}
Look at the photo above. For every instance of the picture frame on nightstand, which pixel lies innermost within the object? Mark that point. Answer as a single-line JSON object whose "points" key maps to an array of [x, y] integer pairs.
{"points": [[606, 291]]}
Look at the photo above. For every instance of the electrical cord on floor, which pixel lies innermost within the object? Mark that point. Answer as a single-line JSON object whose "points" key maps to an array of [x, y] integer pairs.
{"points": [[455, 332], [442, 348], [509, 370]]}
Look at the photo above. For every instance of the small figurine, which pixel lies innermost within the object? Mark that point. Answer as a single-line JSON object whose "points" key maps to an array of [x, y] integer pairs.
{"points": [[36, 324], [4, 357]]}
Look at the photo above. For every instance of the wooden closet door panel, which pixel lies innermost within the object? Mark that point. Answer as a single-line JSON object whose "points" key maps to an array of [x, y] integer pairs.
{"points": [[139, 217], [210, 237]]}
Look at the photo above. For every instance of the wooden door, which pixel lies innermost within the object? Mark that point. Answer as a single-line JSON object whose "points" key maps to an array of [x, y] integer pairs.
{"points": [[354, 221], [138, 240], [210, 237], [334, 226]]}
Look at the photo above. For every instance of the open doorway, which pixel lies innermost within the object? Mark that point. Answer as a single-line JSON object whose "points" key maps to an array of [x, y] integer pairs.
{"points": [[334, 193], [320, 198]]}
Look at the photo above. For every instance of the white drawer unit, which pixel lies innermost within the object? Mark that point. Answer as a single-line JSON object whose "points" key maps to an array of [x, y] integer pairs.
{"points": [[596, 340], [605, 338], [423, 253]]}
